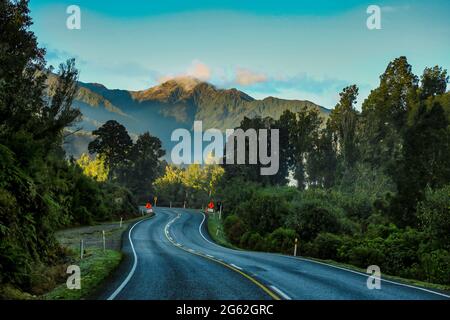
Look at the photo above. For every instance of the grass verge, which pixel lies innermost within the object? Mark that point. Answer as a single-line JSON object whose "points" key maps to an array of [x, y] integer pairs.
{"points": [[95, 266], [215, 229]]}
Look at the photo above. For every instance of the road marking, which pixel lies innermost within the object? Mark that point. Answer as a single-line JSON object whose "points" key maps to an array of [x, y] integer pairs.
{"points": [[281, 293], [271, 293], [208, 255], [231, 264], [367, 275], [130, 274]]}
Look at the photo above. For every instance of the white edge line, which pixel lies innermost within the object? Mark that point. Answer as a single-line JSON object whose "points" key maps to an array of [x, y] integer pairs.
{"points": [[130, 274], [366, 275], [233, 265], [330, 265], [281, 293]]}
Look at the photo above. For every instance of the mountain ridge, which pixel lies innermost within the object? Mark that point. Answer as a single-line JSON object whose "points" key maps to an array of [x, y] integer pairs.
{"points": [[173, 104]]}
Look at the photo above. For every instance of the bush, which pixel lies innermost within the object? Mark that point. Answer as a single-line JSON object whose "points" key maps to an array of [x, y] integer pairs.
{"points": [[325, 246], [234, 228], [281, 240], [312, 216], [436, 265], [434, 214], [253, 241], [265, 211]]}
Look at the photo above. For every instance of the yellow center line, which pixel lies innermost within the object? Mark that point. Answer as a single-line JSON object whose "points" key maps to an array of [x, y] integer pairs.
{"points": [[252, 279]]}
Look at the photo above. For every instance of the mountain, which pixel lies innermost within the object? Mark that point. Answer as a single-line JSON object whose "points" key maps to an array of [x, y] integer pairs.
{"points": [[176, 103]]}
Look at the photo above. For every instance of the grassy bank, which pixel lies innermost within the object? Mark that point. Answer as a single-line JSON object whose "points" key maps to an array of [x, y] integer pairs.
{"points": [[215, 229], [95, 266]]}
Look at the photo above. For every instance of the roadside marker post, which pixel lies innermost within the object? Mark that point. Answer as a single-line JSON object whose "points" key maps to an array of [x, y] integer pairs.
{"points": [[121, 219], [104, 241], [295, 247], [81, 248]]}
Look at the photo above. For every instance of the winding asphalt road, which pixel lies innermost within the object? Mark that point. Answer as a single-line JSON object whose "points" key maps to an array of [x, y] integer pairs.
{"points": [[171, 256]]}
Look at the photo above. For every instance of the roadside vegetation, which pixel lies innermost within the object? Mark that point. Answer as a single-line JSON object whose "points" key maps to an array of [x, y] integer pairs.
{"points": [[41, 189], [95, 267], [373, 187]]}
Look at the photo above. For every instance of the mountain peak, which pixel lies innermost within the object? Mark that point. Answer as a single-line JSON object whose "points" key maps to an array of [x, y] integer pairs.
{"points": [[173, 89], [187, 83]]}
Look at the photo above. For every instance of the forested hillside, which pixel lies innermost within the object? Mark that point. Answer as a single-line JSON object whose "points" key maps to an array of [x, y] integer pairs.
{"points": [[42, 190]]}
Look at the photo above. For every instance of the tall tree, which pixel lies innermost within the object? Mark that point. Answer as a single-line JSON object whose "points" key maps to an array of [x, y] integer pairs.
{"points": [[343, 123], [303, 134], [385, 113], [113, 142], [145, 165]]}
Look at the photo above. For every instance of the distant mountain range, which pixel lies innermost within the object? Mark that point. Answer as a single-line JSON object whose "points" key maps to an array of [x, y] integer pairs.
{"points": [[174, 104]]}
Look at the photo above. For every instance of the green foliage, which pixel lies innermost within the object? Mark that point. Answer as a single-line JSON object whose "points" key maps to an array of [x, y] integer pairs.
{"points": [[113, 142], [281, 240], [96, 168], [40, 191], [195, 185], [264, 211], [434, 214], [234, 228], [312, 216]]}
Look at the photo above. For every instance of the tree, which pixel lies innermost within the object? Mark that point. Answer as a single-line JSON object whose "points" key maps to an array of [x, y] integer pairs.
{"points": [[433, 82], [113, 142], [303, 134], [343, 123], [385, 112], [144, 165], [95, 169], [426, 161], [322, 160]]}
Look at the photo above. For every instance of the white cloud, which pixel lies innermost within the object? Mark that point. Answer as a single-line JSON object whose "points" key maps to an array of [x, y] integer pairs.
{"points": [[247, 77], [197, 70]]}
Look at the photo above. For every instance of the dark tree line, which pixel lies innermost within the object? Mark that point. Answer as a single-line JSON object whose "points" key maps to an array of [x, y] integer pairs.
{"points": [[134, 165], [402, 132]]}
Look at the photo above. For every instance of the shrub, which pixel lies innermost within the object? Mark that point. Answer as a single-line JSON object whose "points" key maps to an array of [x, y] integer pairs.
{"points": [[326, 246], [281, 240], [234, 228], [434, 214], [436, 265], [312, 216], [265, 211]]}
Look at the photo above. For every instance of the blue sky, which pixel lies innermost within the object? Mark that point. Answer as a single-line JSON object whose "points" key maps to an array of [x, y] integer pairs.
{"points": [[289, 49]]}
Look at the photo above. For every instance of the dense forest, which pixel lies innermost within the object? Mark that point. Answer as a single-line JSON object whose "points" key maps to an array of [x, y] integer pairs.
{"points": [[41, 189], [373, 186]]}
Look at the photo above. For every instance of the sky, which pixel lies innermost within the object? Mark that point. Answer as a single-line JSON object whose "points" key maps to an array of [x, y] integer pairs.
{"points": [[307, 50]]}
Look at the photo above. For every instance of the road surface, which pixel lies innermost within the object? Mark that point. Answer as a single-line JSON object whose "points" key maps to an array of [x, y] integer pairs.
{"points": [[171, 256]]}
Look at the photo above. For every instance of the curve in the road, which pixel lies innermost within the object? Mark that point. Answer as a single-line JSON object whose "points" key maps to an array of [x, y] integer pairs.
{"points": [[175, 258], [157, 269]]}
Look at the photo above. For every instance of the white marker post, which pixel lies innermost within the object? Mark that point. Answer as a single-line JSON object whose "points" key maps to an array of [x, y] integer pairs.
{"points": [[121, 219], [104, 241], [220, 212], [81, 248], [295, 247]]}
